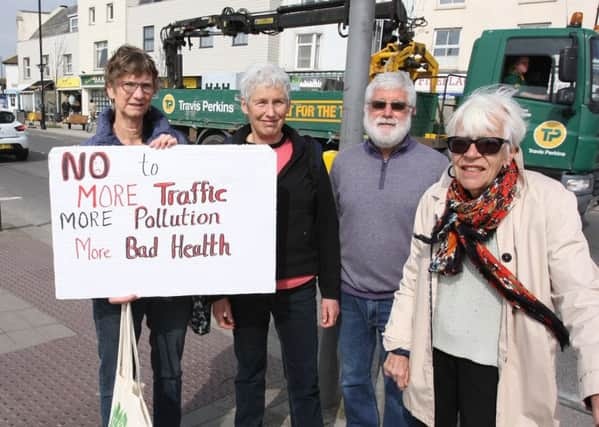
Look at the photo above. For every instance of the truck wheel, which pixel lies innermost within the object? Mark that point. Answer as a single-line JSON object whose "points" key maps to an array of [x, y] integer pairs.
{"points": [[213, 139]]}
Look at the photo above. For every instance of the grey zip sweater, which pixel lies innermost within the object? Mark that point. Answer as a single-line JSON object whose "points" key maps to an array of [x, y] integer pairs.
{"points": [[376, 204]]}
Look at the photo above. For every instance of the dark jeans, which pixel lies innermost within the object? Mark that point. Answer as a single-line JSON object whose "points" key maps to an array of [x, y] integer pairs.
{"points": [[167, 319], [294, 313], [362, 324], [466, 388]]}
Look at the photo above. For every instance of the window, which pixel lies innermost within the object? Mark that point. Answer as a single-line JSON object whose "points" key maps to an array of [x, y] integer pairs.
{"points": [[447, 42], [67, 64], [92, 15], [73, 24], [110, 11], [101, 50], [46, 64], [206, 41], [26, 68], [240, 39], [308, 46], [595, 70], [538, 78], [149, 38]]}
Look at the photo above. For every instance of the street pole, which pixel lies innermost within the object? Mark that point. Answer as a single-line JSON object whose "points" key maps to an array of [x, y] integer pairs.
{"points": [[39, 23], [361, 24]]}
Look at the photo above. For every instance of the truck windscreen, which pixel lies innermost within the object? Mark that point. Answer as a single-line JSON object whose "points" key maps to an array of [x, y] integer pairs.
{"points": [[595, 72]]}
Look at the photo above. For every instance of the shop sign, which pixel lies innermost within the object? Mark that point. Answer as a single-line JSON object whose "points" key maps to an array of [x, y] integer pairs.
{"points": [[72, 82], [92, 80]]}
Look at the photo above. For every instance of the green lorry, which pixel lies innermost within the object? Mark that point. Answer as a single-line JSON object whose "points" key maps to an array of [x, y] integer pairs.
{"points": [[210, 115], [561, 93]]}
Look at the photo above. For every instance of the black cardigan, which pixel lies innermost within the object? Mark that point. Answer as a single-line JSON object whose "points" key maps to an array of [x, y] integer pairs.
{"points": [[307, 225]]}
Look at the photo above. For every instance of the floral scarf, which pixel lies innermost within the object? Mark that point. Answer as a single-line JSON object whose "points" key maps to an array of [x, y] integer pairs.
{"points": [[463, 228]]}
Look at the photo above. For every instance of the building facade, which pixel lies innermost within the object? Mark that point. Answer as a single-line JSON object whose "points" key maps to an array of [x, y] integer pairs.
{"points": [[454, 25], [11, 72], [59, 62], [209, 62]]}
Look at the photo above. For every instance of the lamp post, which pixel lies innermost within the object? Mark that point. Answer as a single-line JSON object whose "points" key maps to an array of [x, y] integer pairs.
{"points": [[39, 23]]}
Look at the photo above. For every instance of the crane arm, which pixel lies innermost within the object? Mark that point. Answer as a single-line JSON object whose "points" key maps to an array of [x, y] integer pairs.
{"points": [[230, 23]]}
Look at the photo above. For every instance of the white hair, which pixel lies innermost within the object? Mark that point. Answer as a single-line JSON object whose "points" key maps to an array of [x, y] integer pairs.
{"points": [[392, 80], [268, 75], [490, 109]]}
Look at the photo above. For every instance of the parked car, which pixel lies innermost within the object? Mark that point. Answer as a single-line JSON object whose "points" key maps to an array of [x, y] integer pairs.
{"points": [[13, 138]]}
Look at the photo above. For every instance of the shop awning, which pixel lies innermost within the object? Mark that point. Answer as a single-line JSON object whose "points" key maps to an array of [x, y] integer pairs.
{"points": [[48, 85]]}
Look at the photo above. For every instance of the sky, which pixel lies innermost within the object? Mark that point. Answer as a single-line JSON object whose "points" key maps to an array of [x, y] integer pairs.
{"points": [[8, 27]]}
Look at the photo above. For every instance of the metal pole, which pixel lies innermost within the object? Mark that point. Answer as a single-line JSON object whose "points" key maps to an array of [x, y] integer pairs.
{"points": [[361, 22], [39, 23]]}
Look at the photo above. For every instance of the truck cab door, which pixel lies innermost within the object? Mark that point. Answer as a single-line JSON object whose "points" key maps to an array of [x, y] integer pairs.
{"points": [[551, 141]]}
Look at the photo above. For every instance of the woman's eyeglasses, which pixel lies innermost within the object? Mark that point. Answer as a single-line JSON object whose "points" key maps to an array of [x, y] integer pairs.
{"points": [[131, 87], [484, 145], [395, 105]]}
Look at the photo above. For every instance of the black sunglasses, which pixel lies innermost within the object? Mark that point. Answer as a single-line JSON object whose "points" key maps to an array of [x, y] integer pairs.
{"points": [[395, 105], [484, 145]]}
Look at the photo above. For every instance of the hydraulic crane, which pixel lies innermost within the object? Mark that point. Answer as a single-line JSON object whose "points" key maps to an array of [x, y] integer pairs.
{"points": [[403, 54]]}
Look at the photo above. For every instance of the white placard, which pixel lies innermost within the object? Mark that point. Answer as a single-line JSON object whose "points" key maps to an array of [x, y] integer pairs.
{"points": [[189, 220]]}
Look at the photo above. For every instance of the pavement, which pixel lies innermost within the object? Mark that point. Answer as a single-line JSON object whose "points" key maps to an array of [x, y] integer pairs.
{"points": [[48, 354]]}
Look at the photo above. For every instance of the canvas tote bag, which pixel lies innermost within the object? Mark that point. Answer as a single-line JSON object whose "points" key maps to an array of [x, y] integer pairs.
{"points": [[128, 407]]}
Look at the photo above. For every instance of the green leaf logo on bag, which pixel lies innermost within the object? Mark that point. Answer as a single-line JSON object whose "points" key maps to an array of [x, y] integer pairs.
{"points": [[119, 417]]}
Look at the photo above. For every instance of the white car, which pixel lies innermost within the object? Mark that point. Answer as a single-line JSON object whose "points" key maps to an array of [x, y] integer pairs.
{"points": [[13, 138]]}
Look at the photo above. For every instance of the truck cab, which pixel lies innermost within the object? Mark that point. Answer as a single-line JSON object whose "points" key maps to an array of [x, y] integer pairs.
{"points": [[559, 86]]}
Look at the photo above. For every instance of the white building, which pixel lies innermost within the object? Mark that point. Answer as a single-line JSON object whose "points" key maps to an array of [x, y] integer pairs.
{"points": [[454, 25], [11, 71], [59, 59], [102, 29], [215, 61]]}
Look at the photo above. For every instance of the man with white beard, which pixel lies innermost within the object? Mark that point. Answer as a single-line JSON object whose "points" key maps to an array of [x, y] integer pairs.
{"points": [[377, 186]]}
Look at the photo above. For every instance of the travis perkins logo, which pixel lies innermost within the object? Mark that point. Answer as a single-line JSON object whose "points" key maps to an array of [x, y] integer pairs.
{"points": [[169, 104], [550, 134]]}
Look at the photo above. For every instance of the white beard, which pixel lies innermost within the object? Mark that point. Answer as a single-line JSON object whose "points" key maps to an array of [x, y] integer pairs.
{"points": [[388, 139]]}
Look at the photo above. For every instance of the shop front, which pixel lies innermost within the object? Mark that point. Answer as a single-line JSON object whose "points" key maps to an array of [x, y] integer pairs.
{"points": [[68, 94], [31, 97], [93, 89]]}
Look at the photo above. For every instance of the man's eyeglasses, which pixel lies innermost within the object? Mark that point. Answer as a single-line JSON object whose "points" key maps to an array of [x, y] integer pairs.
{"points": [[395, 105], [131, 87], [484, 145]]}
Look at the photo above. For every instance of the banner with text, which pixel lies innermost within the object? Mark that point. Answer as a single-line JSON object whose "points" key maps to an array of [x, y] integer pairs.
{"points": [[183, 221]]}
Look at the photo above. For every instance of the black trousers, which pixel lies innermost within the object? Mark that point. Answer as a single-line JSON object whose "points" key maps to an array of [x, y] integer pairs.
{"points": [[466, 389], [294, 313]]}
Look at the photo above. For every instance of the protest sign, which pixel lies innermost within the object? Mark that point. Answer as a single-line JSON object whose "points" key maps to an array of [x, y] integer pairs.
{"points": [[182, 221]]}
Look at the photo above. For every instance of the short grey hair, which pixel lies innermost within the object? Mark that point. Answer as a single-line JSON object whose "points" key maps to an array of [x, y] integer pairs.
{"points": [[490, 109], [390, 81], [268, 75]]}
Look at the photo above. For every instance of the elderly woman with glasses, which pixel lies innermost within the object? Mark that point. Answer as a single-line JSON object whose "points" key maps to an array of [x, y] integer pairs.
{"points": [[131, 80], [496, 251]]}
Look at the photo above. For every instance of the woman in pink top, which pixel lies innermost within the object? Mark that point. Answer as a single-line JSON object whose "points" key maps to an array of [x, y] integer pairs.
{"points": [[307, 250]]}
